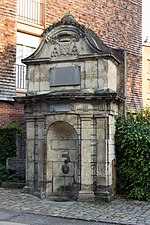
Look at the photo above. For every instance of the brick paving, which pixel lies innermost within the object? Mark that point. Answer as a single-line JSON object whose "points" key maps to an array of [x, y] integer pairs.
{"points": [[119, 211]]}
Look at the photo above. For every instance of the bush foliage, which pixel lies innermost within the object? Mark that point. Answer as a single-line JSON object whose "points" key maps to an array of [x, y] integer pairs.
{"points": [[8, 141], [9, 176], [133, 155]]}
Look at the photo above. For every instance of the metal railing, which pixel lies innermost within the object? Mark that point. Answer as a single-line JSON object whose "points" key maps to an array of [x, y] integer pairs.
{"points": [[31, 11], [21, 73]]}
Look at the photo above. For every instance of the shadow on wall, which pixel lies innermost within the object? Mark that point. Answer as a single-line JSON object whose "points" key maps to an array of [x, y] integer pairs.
{"points": [[7, 72], [9, 110], [134, 84]]}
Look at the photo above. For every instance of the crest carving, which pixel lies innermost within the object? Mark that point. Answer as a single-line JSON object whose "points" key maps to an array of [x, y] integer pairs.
{"points": [[64, 45], [64, 49]]}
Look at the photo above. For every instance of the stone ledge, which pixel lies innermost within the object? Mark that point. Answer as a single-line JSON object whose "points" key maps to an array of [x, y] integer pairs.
{"points": [[12, 185]]}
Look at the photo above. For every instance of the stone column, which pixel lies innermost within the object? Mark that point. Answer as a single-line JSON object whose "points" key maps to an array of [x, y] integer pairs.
{"points": [[30, 156], [86, 192], [40, 156], [104, 165], [111, 156]]}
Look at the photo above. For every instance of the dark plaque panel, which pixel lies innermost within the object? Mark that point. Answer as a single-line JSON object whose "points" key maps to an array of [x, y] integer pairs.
{"points": [[63, 76]]}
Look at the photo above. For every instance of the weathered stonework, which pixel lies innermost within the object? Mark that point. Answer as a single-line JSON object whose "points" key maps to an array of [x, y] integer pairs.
{"points": [[75, 88], [119, 25]]}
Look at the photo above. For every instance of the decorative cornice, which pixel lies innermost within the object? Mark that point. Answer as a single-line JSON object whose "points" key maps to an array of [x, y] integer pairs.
{"points": [[106, 94], [67, 19]]}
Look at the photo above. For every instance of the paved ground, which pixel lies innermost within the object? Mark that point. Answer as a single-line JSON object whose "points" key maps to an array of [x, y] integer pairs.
{"points": [[10, 223], [119, 211], [11, 217]]}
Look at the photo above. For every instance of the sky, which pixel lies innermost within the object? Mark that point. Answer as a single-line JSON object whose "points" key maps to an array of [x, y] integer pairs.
{"points": [[146, 19]]}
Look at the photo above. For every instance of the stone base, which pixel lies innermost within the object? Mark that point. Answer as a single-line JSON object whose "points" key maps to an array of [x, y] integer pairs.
{"points": [[27, 190], [17, 165], [39, 194], [86, 196], [12, 185], [103, 196], [32, 191]]}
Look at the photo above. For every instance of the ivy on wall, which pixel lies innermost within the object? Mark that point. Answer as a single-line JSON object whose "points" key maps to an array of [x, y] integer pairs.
{"points": [[8, 141], [133, 154]]}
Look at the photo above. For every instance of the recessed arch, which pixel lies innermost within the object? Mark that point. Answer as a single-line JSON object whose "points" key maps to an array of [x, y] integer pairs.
{"points": [[62, 144]]}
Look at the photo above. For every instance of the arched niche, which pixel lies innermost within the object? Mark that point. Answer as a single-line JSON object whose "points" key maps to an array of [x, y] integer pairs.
{"points": [[62, 145]]}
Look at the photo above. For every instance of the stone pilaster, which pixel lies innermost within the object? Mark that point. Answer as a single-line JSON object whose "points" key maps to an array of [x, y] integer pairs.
{"points": [[86, 192], [30, 152], [104, 158], [40, 155]]}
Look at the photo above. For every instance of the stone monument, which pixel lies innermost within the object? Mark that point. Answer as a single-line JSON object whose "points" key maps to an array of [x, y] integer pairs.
{"points": [[75, 88]]}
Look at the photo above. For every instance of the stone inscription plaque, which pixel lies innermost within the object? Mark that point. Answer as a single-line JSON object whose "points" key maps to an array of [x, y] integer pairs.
{"points": [[63, 76]]}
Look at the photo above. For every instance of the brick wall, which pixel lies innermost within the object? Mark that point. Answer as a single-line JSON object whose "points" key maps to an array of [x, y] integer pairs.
{"points": [[8, 29], [146, 73], [118, 23], [10, 111], [7, 48]]}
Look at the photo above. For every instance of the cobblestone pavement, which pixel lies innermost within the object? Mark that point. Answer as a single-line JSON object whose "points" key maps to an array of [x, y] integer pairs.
{"points": [[119, 211]]}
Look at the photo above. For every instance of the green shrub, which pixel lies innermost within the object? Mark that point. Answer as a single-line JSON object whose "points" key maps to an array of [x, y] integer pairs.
{"points": [[9, 176], [8, 141], [133, 154]]}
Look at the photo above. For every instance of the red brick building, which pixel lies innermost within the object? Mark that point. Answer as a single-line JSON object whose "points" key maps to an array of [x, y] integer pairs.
{"points": [[146, 72], [118, 23]]}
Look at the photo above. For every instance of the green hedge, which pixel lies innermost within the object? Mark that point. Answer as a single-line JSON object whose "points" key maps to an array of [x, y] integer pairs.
{"points": [[8, 141], [133, 155], [9, 176]]}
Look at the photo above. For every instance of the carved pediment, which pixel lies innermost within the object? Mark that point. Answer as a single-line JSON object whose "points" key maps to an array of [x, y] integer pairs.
{"points": [[68, 40]]}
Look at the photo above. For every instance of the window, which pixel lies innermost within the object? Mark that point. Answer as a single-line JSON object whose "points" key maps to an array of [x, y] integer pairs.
{"points": [[31, 11], [23, 51], [26, 45]]}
